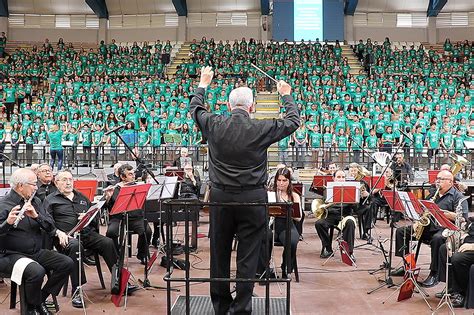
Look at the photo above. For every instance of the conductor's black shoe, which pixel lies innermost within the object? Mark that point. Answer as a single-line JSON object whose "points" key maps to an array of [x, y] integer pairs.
{"points": [[365, 236], [326, 253], [431, 281], [458, 300], [399, 272], [77, 302], [89, 260], [43, 310]]}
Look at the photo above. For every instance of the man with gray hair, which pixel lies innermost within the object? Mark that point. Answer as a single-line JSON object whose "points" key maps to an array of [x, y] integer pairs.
{"points": [[25, 240], [238, 173]]}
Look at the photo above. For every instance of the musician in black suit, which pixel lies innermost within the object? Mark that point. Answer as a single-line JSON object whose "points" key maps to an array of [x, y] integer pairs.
{"points": [[45, 181], [237, 170], [26, 240], [334, 216], [67, 206], [190, 186], [447, 199], [136, 222]]}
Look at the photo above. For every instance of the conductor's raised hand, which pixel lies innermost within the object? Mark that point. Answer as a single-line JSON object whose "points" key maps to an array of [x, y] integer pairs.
{"points": [[206, 76], [283, 88]]}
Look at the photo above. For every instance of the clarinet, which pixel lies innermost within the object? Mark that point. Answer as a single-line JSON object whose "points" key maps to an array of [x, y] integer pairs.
{"points": [[21, 214]]}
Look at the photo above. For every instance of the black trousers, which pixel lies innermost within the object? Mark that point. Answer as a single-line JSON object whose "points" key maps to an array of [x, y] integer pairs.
{"points": [[431, 235], [458, 271], [323, 226], [248, 223], [280, 236], [135, 225], [94, 241], [364, 215], [57, 265]]}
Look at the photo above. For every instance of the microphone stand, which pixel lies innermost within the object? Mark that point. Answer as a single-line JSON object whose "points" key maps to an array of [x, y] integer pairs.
{"points": [[388, 281]]}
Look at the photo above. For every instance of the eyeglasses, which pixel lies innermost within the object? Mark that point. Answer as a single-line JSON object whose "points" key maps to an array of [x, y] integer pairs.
{"points": [[66, 180], [45, 171], [443, 178], [32, 184]]}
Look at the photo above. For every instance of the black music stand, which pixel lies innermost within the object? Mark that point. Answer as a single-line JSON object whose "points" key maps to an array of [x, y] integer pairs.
{"points": [[161, 191], [343, 193], [130, 198], [76, 231]]}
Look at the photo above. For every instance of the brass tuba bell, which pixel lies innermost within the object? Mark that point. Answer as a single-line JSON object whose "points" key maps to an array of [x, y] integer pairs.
{"points": [[319, 208], [459, 163]]}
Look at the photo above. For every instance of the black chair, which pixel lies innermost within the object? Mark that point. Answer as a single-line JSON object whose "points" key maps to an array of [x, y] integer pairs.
{"points": [[99, 272], [23, 305]]}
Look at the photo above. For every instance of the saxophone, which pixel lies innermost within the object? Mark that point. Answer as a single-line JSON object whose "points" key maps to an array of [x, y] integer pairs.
{"points": [[425, 220]]}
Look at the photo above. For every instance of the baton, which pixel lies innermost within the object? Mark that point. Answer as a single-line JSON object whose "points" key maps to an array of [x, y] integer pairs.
{"points": [[266, 74]]}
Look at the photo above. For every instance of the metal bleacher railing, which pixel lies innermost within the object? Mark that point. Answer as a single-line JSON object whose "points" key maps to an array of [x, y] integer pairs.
{"points": [[79, 161]]}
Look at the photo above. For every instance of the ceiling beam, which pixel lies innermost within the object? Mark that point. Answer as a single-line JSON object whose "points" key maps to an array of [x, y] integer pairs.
{"points": [[181, 7], [265, 7], [99, 7], [350, 6], [4, 8], [435, 6]]}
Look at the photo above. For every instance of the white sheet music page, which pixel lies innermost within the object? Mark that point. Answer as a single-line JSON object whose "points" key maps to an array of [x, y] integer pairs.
{"points": [[408, 205]]}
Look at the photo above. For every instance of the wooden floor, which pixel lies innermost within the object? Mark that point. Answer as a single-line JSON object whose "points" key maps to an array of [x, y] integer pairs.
{"points": [[331, 289]]}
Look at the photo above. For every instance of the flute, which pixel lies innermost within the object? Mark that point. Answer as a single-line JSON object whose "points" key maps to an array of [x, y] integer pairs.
{"points": [[21, 214]]}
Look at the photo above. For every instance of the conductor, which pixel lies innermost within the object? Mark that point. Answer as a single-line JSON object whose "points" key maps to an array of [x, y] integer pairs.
{"points": [[238, 172]]}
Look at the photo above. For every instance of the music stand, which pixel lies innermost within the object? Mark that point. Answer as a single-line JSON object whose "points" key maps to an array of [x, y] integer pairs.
{"points": [[76, 231], [165, 189], [343, 193], [407, 203], [88, 187], [432, 174], [130, 198], [174, 172]]}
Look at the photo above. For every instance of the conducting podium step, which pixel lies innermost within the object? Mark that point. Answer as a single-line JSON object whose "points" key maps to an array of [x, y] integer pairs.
{"points": [[200, 304]]}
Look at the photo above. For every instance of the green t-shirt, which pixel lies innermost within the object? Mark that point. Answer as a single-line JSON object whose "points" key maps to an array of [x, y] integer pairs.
{"points": [[316, 138], [55, 139], [418, 141], [357, 142], [433, 139], [372, 142]]}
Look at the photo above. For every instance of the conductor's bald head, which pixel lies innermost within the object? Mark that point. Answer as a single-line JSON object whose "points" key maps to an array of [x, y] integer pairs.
{"points": [[242, 98]]}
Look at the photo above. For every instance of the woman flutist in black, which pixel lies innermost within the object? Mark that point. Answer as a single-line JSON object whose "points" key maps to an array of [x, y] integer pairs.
{"points": [[284, 193]]}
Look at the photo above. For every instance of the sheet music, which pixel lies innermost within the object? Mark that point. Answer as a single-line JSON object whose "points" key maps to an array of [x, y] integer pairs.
{"points": [[271, 196], [155, 191], [331, 185], [169, 187], [408, 205], [93, 208]]}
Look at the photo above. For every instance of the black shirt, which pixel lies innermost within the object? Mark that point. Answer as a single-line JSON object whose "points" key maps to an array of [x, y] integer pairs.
{"points": [[449, 201], [403, 172], [64, 211], [45, 189], [238, 144], [26, 238], [187, 186]]}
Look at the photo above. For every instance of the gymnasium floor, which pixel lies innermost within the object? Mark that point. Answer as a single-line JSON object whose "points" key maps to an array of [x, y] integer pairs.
{"points": [[332, 289]]}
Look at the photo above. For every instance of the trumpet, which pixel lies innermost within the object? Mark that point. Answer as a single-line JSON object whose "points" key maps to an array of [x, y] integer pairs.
{"points": [[21, 214]]}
